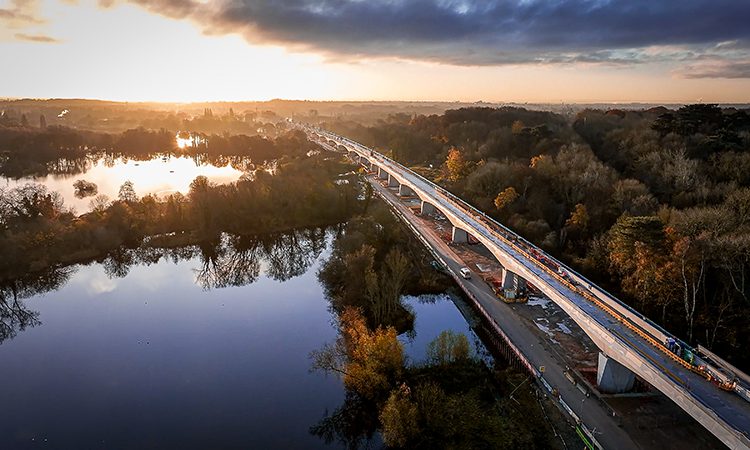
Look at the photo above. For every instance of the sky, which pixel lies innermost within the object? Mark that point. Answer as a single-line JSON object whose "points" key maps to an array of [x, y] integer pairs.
{"points": [[537, 51]]}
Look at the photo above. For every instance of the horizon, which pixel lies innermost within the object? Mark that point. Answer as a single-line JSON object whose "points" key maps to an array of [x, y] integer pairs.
{"points": [[303, 100]]}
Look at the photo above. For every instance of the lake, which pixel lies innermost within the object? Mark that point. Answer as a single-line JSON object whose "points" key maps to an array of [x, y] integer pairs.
{"points": [[160, 175], [189, 348]]}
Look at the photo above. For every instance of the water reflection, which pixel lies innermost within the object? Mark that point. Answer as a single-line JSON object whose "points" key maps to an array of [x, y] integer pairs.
{"points": [[228, 261], [14, 315], [236, 260], [354, 424], [136, 341], [157, 174]]}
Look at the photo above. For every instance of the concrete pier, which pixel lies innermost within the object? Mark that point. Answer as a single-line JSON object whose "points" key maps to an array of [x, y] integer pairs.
{"points": [[459, 235], [427, 208], [405, 191], [612, 377]]}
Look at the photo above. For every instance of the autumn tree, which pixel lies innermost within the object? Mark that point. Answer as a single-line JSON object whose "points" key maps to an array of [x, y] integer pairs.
{"points": [[371, 362], [456, 167], [506, 197], [579, 218], [640, 255]]}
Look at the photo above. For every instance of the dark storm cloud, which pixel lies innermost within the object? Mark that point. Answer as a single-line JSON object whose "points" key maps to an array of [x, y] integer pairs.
{"points": [[478, 32]]}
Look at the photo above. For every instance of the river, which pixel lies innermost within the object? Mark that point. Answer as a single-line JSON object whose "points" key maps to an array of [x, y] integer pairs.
{"points": [[191, 349]]}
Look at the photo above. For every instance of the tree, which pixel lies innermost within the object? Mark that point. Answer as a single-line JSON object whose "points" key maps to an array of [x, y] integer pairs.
{"points": [[127, 193], [399, 418], [639, 254], [369, 192], [99, 204], [385, 294], [85, 188], [42, 121], [456, 166], [24, 121], [517, 127], [579, 218], [371, 362], [448, 347], [691, 257], [506, 197]]}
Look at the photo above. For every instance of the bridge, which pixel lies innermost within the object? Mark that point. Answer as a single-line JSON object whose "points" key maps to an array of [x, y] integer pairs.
{"points": [[710, 390]]}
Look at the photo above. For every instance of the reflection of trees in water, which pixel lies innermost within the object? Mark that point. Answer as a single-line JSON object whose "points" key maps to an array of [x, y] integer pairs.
{"points": [[236, 260], [14, 315], [118, 263], [231, 260], [290, 254], [353, 424], [70, 166]]}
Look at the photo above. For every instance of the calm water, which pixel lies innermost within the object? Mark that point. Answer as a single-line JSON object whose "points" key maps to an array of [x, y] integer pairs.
{"points": [[155, 359], [155, 176]]}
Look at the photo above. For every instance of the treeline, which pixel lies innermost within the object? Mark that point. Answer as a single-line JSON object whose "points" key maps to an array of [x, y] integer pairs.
{"points": [[652, 204], [37, 231], [482, 132], [113, 117]]}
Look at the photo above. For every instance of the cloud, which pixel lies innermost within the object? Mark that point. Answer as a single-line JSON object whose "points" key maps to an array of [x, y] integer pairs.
{"points": [[18, 17], [716, 69], [20, 13], [35, 38], [473, 32]]}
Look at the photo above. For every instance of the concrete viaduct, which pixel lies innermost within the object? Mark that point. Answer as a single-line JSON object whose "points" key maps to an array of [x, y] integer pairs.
{"points": [[628, 342]]}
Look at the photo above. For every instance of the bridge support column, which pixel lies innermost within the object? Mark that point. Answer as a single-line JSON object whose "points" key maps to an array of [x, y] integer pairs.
{"points": [[405, 191], [392, 181], [612, 377], [459, 235], [507, 279], [382, 174], [427, 208]]}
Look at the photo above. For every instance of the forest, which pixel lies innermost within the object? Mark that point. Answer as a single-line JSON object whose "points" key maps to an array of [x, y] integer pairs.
{"points": [[652, 204]]}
